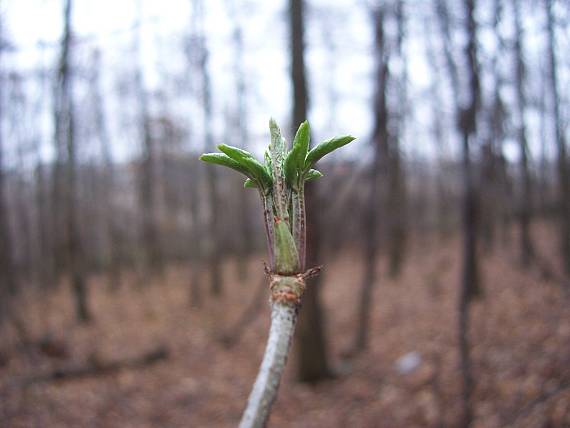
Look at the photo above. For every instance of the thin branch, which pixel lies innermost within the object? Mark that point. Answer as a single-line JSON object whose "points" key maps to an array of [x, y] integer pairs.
{"points": [[283, 321], [526, 410], [99, 368]]}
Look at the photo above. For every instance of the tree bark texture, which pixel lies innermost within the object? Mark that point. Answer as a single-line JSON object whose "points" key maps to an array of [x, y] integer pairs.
{"points": [[66, 143], [562, 158], [370, 222], [311, 350]]}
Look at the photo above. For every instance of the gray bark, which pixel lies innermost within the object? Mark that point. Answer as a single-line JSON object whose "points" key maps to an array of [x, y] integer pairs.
{"points": [[8, 283], [283, 320], [66, 145], [216, 286], [370, 222], [108, 178], [152, 252], [562, 158], [312, 355], [525, 201]]}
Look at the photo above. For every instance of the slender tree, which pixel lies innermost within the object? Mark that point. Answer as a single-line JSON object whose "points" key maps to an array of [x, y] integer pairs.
{"points": [[525, 201], [397, 197], [152, 252], [21, 116], [467, 126], [544, 177], [492, 201], [8, 284], [241, 131], [497, 208], [211, 176], [196, 237], [66, 146], [562, 157], [108, 176], [441, 138], [45, 189], [371, 213], [312, 352]]}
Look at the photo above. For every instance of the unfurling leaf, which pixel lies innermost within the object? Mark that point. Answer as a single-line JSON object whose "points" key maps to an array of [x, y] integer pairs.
{"points": [[313, 174], [295, 161], [249, 163], [325, 148], [224, 160]]}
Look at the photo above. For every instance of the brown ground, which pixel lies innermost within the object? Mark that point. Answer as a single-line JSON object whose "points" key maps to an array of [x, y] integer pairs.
{"points": [[521, 351]]}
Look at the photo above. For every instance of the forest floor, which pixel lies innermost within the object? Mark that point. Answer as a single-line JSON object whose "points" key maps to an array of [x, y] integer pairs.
{"points": [[520, 348]]}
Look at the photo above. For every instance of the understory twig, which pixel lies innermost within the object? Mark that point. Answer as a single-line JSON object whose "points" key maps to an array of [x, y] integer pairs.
{"points": [[526, 410], [99, 368]]}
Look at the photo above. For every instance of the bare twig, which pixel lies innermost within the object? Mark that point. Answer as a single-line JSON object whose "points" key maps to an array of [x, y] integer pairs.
{"points": [[283, 320], [99, 368], [526, 410]]}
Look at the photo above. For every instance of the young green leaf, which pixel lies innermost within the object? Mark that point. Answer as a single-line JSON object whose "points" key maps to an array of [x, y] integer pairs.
{"points": [[224, 160], [295, 161], [313, 174], [301, 143], [325, 148], [235, 152], [247, 161]]}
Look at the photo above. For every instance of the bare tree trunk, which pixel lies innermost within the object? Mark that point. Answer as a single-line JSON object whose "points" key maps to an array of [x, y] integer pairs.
{"points": [[65, 140], [213, 245], [43, 223], [241, 130], [443, 203], [370, 222], [111, 225], [467, 126], [525, 201], [493, 201], [152, 253], [8, 283], [195, 240], [311, 343], [470, 285], [497, 208], [562, 160], [544, 193], [43, 198], [397, 195]]}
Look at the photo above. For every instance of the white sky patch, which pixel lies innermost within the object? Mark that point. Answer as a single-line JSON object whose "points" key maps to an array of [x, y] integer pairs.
{"points": [[343, 75]]}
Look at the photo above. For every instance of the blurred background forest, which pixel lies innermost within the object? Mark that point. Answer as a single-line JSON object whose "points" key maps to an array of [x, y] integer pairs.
{"points": [[131, 279]]}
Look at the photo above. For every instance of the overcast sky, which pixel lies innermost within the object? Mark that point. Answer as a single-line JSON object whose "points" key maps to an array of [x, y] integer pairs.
{"points": [[339, 37]]}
